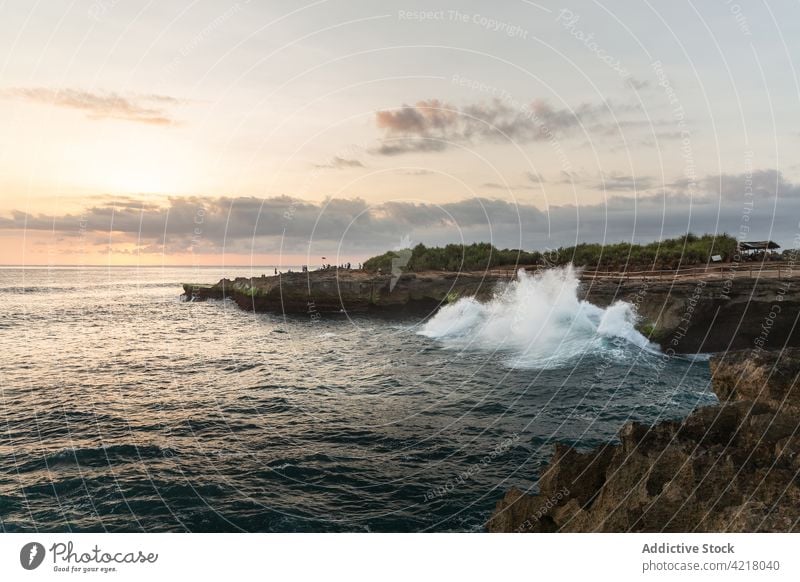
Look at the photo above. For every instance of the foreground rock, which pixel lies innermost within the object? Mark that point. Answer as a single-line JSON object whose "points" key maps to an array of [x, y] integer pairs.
{"points": [[730, 467]]}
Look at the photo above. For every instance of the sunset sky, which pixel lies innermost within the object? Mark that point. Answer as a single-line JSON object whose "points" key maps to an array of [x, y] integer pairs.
{"points": [[210, 132]]}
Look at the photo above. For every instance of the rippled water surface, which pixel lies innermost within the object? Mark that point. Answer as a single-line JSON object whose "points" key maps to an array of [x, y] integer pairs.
{"points": [[124, 409]]}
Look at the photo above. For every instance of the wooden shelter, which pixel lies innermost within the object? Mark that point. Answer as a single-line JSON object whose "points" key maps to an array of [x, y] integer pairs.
{"points": [[757, 248]]}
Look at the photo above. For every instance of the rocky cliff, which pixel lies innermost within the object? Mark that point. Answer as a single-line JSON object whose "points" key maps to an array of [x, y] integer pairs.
{"points": [[729, 467], [710, 315], [683, 316], [350, 291]]}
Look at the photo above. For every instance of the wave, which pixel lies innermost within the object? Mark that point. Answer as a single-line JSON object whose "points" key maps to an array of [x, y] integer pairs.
{"points": [[18, 290], [83, 287], [540, 321], [97, 457]]}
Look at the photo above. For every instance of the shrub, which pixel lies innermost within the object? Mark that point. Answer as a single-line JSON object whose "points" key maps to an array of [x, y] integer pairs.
{"points": [[665, 254]]}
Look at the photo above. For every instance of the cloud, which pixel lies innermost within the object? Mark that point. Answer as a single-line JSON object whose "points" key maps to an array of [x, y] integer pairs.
{"points": [[739, 188], [535, 178], [536, 181], [147, 109], [569, 177], [417, 172], [622, 183], [655, 138], [211, 225], [394, 147], [434, 125], [418, 119], [637, 84], [247, 224], [338, 163], [508, 187]]}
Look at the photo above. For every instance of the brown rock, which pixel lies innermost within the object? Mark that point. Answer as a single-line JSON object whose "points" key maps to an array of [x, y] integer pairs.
{"points": [[731, 467]]}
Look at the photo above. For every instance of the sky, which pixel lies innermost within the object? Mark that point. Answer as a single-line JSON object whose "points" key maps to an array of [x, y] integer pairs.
{"points": [[274, 132]]}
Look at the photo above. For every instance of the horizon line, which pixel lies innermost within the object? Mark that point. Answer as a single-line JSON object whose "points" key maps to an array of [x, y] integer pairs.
{"points": [[20, 266]]}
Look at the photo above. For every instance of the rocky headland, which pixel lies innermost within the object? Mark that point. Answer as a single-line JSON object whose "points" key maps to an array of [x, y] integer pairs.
{"points": [[348, 291], [683, 315], [731, 467]]}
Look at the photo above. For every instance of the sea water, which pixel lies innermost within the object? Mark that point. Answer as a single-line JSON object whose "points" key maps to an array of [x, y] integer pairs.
{"points": [[123, 408]]}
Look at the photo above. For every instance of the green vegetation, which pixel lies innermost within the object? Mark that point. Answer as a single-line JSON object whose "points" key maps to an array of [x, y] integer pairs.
{"points": [[650, 331], [790, 254], [247, 290], [451, 297], [666, 254], [451, 258], [669, 253]]}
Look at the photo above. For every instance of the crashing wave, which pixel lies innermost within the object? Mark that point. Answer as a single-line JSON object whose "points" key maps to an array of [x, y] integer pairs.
{"points": [[539, 319]]}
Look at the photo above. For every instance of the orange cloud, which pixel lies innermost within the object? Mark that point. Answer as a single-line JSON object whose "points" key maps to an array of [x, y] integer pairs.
{"points": [[147, 109]]}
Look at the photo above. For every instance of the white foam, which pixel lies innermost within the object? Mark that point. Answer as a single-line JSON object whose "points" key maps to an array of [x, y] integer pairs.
{"points": [[539, 320]]}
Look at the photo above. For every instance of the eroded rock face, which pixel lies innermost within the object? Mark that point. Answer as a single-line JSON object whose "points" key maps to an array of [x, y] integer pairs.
{"points": [[758, 376], [730, 467], [710, 315], [348, 291], [684, 316]]}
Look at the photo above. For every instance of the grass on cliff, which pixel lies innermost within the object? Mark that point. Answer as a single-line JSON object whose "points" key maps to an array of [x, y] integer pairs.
{"points": [[666, 254]]}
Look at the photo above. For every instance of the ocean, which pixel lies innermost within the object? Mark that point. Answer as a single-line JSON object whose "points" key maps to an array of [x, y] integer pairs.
{"points": [[123, 408]]}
